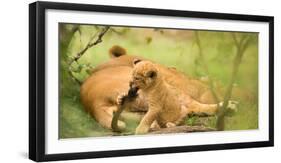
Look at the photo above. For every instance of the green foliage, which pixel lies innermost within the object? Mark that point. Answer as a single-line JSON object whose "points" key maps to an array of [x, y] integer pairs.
{"points": [[191, 120], [168, 47], [75, 122]]}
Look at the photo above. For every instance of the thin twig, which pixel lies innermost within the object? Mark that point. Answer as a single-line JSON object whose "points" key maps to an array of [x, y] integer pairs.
{"points": [[82, 52], [235, 39], [73, 77], [117, 32], [126, 100], [89, 45], [241, 46], [206, 68]]}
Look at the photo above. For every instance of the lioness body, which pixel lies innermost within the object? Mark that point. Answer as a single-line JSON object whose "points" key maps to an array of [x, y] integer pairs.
{"points": [[110, 79]]}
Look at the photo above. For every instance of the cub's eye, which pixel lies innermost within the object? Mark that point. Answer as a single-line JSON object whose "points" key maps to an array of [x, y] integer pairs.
{"points": [[137, 78]]}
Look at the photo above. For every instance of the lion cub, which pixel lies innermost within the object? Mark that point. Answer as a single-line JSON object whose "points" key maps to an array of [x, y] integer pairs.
{"points": [[167, 105], [163, 105]]}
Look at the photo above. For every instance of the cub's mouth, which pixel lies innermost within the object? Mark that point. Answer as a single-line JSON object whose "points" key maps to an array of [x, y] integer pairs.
{"points": [[133, 91]]}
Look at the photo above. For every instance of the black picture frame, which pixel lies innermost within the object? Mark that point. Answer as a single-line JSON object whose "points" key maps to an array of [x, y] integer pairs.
{"points": [[37, 79]]}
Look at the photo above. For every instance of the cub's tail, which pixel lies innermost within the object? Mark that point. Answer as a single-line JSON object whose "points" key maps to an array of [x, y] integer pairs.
{"points": [[116, 51]]}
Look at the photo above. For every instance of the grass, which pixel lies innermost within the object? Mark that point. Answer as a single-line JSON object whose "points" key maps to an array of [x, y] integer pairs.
{"points": [[170, 48]]}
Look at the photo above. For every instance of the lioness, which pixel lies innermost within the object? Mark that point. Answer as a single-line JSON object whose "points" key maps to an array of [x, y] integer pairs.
{"points": [[111, 79]]}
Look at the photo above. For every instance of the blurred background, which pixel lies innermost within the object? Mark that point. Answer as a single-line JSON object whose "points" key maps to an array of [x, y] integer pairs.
{"points": [[170, 47]]}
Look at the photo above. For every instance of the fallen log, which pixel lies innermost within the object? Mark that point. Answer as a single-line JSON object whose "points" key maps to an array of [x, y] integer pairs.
{"points": [[181, 129]]}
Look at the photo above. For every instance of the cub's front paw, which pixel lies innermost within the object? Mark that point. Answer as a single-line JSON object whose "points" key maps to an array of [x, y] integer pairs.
{"points": [[141, 130], [120, 98]]}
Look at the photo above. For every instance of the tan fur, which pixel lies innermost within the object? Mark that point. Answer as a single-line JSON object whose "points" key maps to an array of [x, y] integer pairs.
{"points": [[111, 79], [163, 104], [167, 105]]}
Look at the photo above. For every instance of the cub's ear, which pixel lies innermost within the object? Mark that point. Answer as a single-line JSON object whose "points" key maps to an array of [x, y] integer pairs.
{"points": [[151, 74], [136, 61]]}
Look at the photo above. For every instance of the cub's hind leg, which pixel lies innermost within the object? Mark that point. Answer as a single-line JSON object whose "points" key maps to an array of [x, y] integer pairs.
{"points": [[180, 121]]}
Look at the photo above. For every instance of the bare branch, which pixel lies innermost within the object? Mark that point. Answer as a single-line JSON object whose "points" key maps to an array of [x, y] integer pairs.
{"points": [[127, 99], [73, 77], [90, 44], [82, 52], [116, 115], [206, 68], [237, 44], [118, 32], [241, 46]]}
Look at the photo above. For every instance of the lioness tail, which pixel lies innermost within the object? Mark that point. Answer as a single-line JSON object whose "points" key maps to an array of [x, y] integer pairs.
{"points": [[116, 51]]}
